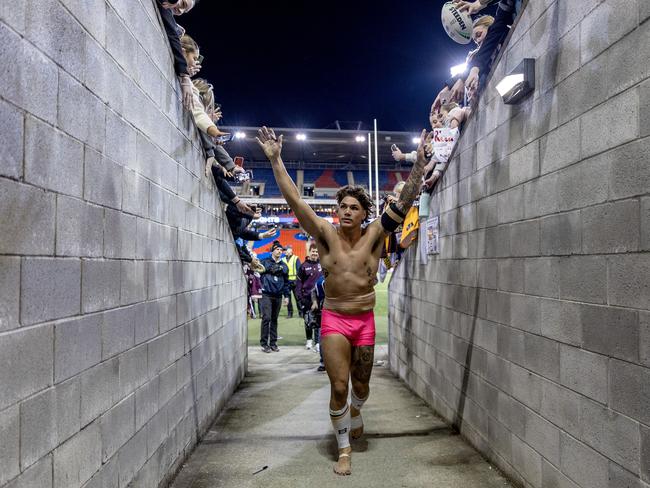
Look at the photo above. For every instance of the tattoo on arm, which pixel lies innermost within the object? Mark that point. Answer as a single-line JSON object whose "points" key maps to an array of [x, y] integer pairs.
{"points": [[325, 272], [412, 187]]}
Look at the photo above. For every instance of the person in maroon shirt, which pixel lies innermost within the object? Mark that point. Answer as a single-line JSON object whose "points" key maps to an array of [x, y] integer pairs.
{"points": [[306, 279]]}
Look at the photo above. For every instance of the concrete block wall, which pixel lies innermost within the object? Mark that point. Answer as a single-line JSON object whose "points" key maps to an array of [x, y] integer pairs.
{"points": [[530, 330], [122, 301]]}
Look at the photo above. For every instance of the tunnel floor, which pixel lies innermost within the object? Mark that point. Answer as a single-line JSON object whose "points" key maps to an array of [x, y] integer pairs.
{"points": [[279, 418]]}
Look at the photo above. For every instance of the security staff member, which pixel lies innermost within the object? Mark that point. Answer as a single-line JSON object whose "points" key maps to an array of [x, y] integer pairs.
{"points": [[293, 263]]}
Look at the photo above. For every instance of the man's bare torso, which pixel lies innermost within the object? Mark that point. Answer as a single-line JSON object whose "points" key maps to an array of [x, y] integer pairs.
{"points": [[350, 268]]}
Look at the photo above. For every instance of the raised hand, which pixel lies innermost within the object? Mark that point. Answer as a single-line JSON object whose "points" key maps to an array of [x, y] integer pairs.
{"points": [[470, 7], [421, 159], [271, 145]]}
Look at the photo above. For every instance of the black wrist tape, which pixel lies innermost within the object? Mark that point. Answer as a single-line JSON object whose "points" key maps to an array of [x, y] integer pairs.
{"points": [[392, 218]]}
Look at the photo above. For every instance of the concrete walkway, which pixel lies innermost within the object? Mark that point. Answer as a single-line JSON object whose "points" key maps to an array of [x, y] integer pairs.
{"points": [[279, 418]]}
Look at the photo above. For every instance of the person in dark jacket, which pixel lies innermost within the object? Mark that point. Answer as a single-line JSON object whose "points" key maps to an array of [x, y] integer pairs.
{"points": [[306, 279], [174, 32], [275, 285]]}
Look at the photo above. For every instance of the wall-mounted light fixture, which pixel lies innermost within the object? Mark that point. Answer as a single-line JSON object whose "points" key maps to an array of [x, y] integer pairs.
{"points": [[519, 83]]}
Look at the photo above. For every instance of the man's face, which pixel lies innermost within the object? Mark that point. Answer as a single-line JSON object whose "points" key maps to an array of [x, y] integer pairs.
{"points": [[289, 252], [276, 253], [313, 254], [350, 213], [435, 119]]}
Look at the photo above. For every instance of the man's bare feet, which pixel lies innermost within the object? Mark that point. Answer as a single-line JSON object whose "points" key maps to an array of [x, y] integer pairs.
{"points": [[343, 466], [356, 424]]}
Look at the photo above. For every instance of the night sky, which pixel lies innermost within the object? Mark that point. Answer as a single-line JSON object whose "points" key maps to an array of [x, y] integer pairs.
{"points": [[307, 64]]}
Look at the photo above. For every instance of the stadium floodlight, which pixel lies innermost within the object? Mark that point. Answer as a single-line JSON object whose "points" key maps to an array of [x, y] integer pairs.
{"points": [[519, 83], [360, 139], [416, 140], [240, 135], [301, 137], [458, 69]]}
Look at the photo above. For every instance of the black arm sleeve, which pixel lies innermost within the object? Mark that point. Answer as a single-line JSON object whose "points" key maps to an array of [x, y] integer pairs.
{"points": [[171, 27], [495, 36], [249, 235], [222, 185]]}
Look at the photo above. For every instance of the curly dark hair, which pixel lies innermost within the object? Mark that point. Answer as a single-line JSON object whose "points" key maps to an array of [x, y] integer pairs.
{"points": [[357, 192]]}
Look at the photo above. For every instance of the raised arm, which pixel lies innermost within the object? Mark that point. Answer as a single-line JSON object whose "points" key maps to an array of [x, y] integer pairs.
{"points": [[395, 213], [272, 147]]}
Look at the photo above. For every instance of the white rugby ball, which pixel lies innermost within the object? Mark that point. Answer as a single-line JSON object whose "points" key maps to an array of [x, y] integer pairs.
{"points": [[458, 25]]}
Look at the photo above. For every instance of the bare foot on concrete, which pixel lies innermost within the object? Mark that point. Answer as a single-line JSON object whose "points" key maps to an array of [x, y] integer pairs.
{"points": [[356, 425], [343, 466]]}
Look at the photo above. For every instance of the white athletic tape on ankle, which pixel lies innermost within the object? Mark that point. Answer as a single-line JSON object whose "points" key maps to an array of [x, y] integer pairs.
{"points": [[341, 423], [357, 402], [356, 422]]}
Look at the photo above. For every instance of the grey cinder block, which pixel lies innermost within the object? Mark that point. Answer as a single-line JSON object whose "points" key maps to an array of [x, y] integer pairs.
{"points": [[99, 390], [645, 453], [100, 284], [614, 435], [510, 205], [543, 436], [611, 331], [120, 140], [542, 276], [133, 369], [102, 180], [644, 338], [561, 234], [79, 228], [629, 281], [132, 456], [542, 356], [44, 143], [11, 141], [147, 320], [611, 228], [527, 461], [582, 464], [583, 278], [10, 292], [629, 389], [118, 331], [645, 224], [558, 148], [135, 195], [119, 235], [628, 169], [10, 446], [611, 124], [585, 183], [40, 474], [27, 219], [525, 238], [117, 426], [79, 458], [29, 352], [87, 124], [584, 372], [133, 279], [78, 346]]}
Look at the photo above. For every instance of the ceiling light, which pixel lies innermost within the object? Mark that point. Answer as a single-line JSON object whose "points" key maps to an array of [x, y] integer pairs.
{"points": [[416, 140], [360, 139], [301, 137], [240, 135]]}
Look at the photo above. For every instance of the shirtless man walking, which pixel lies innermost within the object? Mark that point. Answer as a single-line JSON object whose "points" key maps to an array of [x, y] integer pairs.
{"points": [[349, 259]]}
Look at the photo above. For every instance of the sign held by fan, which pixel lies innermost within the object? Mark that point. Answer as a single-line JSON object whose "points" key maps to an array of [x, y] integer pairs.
{"points": [[444, 140]]}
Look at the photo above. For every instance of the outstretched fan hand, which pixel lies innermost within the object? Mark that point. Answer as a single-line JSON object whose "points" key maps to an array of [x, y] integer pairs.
{"points": [[271, 145]]}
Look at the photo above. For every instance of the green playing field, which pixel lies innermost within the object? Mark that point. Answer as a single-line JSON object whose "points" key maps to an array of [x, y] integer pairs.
{"points": [[292, 330]]}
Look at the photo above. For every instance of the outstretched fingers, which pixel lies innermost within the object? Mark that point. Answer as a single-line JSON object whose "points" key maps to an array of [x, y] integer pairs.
{"points": [[423, 137]]}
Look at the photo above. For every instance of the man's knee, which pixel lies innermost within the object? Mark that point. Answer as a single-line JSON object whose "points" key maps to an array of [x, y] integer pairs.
{"points": [[360, 389], [340, 391]]}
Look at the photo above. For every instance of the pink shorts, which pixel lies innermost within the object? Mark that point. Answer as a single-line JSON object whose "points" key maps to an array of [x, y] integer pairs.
{"points": [[359, 329]]}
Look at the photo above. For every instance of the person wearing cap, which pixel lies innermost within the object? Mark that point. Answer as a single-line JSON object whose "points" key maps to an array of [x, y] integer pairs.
{"points": [[275, 285], [293, 263]]}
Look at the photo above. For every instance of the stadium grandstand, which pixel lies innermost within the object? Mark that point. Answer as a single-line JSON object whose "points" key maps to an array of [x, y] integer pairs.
{"points": [[320, 161]]}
